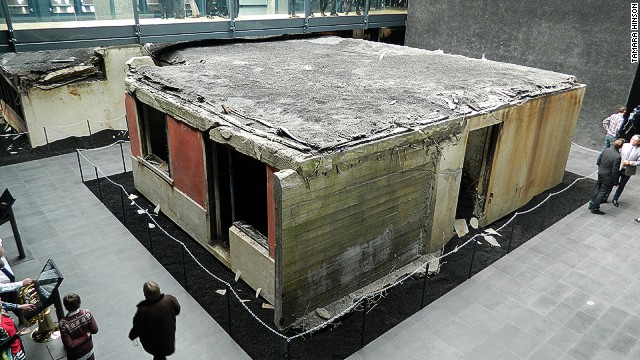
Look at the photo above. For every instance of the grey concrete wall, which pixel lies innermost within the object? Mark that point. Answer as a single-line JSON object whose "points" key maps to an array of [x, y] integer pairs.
{"points": [[177, 206], [586, 38], [364, 214]]}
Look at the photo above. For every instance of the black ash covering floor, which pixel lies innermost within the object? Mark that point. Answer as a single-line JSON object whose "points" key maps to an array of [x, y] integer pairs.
{"points": [[15, 148]]}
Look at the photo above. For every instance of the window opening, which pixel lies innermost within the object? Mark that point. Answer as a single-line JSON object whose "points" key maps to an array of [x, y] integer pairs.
{"points": [[155, 141], [240, 192]]}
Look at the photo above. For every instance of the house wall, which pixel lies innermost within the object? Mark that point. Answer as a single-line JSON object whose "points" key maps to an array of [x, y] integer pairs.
{"points": [[365, 212], [65, 110], [187, 160], [531, 151], [361, 213], [252, 260], [182, 196], [132, 125], [588, 39]]}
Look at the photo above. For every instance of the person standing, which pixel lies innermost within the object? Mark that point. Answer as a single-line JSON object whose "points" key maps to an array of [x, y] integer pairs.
{"points": [[630, 154], [612, 126], [7, 276], [155, 322], [608, 173], [292, 9], [323, 7], [77, 328], [9, 337]]}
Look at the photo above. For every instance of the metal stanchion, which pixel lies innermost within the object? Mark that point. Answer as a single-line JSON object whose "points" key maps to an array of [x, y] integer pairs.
{"points": [[424, 285], [150, 242], [124, 165], [229, 311], [364, 317], [124, 215], [544, 216], [288, 354], [98, 180], [473, 255], [184, 270], [80, 165], [46, 137], [513, 225], [90, 135]]}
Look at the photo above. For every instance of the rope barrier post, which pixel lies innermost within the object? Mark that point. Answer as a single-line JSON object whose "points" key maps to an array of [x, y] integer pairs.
{"points": [[364, 317], [124, 165], [90, 134], [473, 255], [124, 215], [513, 225], [150, 242], [229, 311], [575, 193], [546, 212], [98, 180], [288, 354], [46, 138], [184, 270], [424, 286], [80, 166]]}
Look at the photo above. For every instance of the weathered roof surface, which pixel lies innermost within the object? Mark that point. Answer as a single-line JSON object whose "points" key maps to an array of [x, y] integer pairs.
{"points": [[328, 91], [66, 65]]}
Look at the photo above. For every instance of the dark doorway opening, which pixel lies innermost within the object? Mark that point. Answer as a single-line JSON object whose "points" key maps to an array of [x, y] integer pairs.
{"points": [[476, 172], [239, 191]]}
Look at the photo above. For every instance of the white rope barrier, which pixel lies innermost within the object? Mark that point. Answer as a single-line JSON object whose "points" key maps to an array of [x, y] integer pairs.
{"points": [[145, 211], [104, 147], [584, 148], [16, 134], [82, 122], [64, 126], [108, 121], [380, 292]]}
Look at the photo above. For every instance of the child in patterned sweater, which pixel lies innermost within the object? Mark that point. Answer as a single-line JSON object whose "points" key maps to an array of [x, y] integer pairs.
{"points": [[76, 329]]}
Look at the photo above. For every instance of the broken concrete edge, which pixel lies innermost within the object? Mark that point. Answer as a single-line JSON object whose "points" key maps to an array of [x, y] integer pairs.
{"points": [[317, 318], [205, 117], [52, 68], [182, 83]]}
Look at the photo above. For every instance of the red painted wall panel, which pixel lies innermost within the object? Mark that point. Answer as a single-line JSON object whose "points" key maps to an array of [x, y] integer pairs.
{"points": [[187, 160], [132, 124]]}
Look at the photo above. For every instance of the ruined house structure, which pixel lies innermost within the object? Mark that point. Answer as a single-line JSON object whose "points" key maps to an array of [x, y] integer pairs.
{"points": [[54, 94], [314, 167]]}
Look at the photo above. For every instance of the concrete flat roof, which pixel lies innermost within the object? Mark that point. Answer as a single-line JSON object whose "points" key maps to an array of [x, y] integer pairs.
{"points": [[328, 92], [35, 67]]}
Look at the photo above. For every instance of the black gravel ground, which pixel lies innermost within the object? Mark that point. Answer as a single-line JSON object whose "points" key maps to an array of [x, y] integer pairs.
{"points": [[16, 148]]}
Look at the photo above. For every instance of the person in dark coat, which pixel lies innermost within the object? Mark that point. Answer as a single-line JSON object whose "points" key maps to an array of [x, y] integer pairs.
{"points": [[155, 322], [608, 173]]}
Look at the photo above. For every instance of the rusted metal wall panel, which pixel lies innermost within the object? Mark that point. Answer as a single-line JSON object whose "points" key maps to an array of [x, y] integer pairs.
{"points": [[532, 151]]}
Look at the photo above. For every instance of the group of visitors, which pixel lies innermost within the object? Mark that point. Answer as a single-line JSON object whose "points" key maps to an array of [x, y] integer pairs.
{"points": [[154, 322], [335, 6], [616, 163]]}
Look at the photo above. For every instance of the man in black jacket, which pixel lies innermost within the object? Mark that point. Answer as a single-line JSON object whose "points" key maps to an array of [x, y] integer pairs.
{"points": [[155, 322], [608, 173]]}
